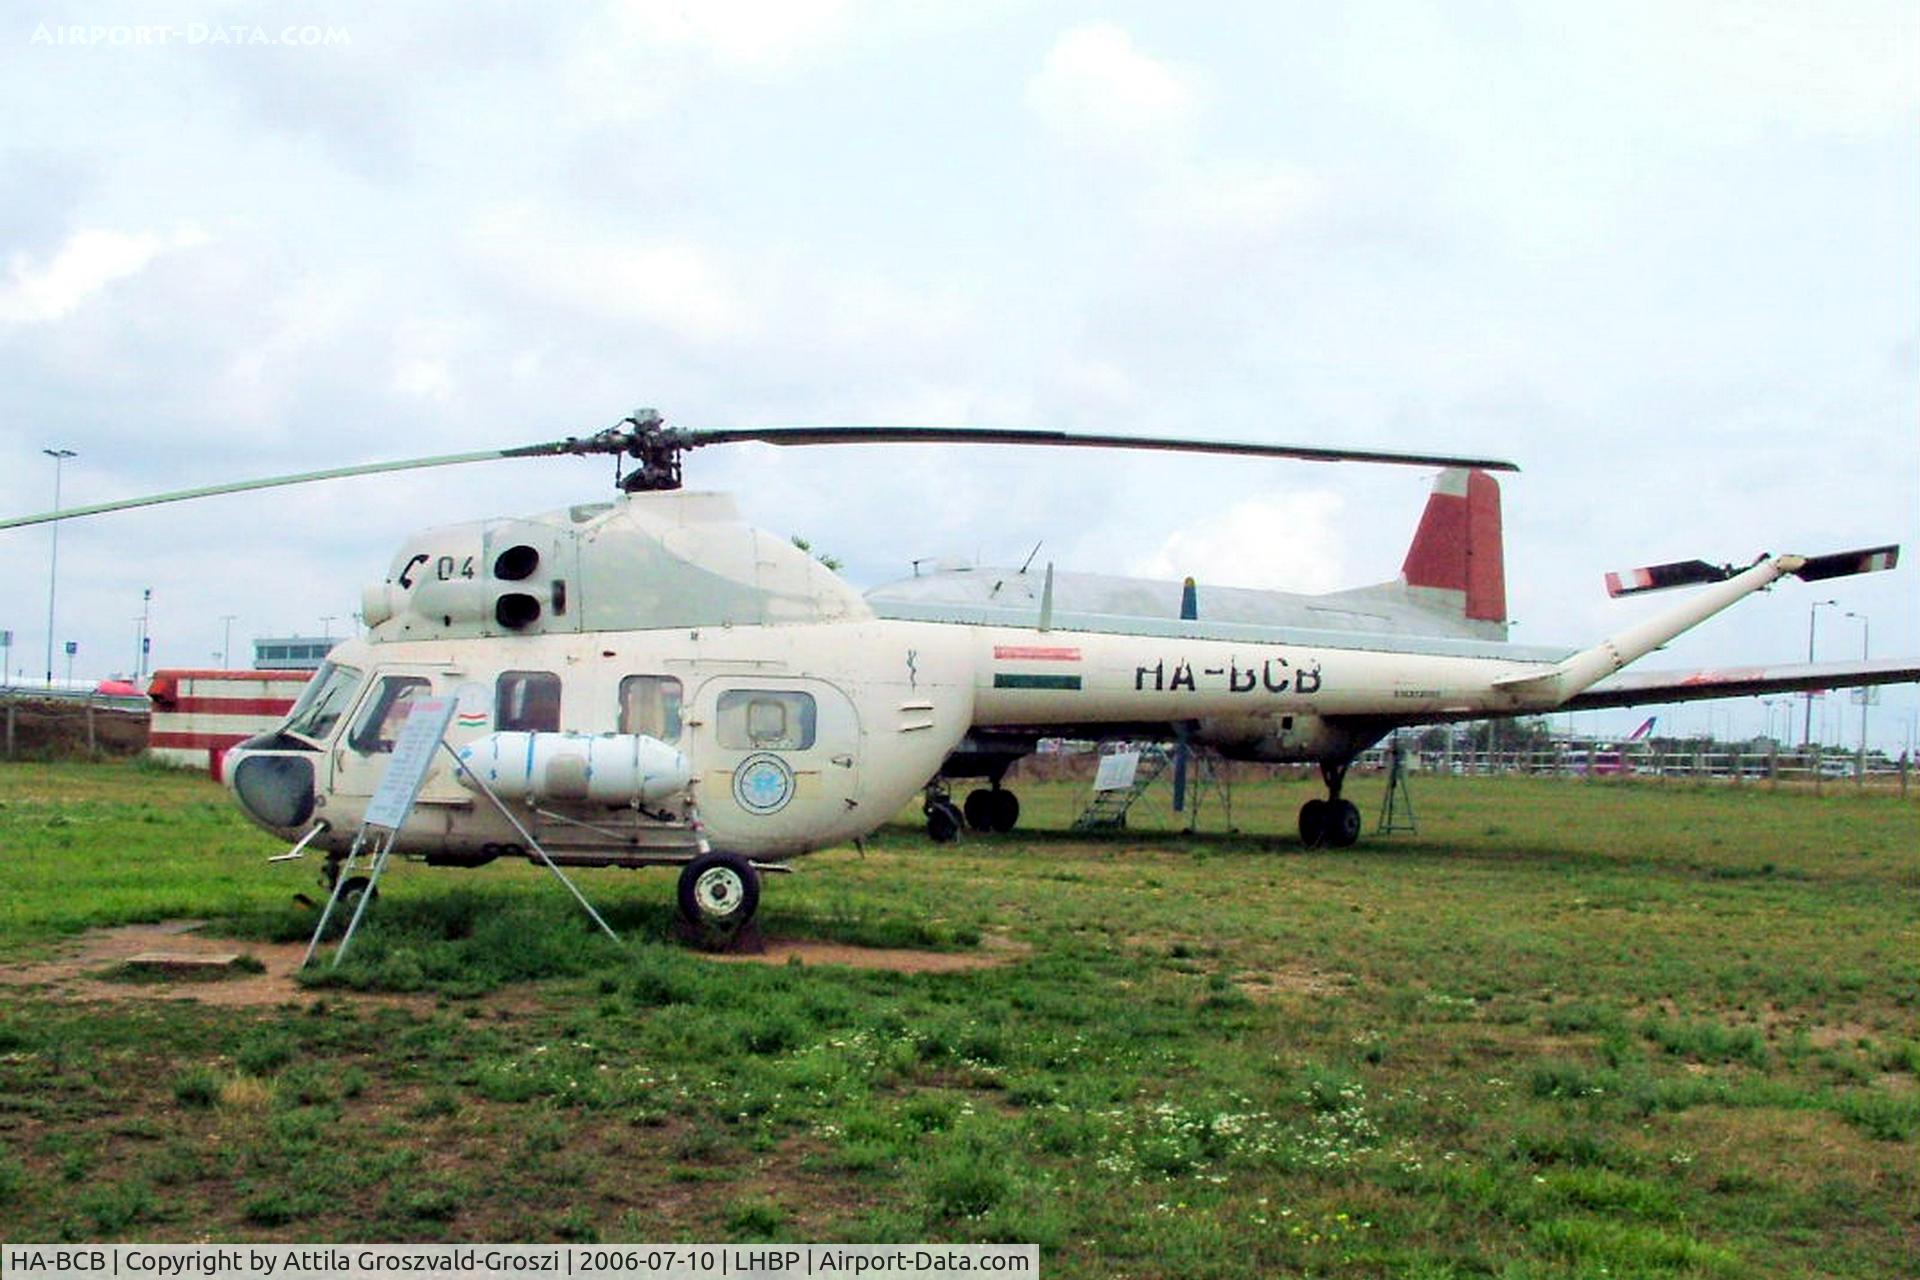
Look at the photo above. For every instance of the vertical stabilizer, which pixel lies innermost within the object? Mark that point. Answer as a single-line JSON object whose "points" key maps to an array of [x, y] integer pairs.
{"points": [[1456, 563]]}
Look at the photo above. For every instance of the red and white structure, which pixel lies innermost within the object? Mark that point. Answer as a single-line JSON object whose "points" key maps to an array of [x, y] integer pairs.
{"points": [[197, 715]]}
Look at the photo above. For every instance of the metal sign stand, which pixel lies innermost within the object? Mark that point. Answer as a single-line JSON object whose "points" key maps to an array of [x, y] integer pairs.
{"points": [[387, 812]]}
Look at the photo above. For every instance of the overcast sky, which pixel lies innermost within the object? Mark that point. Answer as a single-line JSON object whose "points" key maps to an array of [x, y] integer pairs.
{"points": [[1665, 257]]}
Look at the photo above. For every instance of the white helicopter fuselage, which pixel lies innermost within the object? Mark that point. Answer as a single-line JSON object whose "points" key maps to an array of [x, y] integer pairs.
{"points": [[804, 716]]}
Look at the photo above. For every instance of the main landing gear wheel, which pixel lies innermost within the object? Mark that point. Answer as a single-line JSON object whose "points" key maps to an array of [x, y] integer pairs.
{"points": [[992, 809], [1313, 823], [719, 891], [1331, 823], [1343, 823]]}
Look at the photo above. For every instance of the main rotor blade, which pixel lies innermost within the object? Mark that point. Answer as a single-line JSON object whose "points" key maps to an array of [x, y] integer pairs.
{"points": [[1020, 435], [304, 477]]}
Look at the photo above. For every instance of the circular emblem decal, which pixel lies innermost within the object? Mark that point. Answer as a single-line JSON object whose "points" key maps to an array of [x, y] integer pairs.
{"points": [[763, 784]]}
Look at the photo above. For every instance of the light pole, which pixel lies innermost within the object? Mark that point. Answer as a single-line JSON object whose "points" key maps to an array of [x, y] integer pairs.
{"points": [[59, 456], [226, 641], [1865, 690], [1770, 705], [1813, 612], [146, 635]]}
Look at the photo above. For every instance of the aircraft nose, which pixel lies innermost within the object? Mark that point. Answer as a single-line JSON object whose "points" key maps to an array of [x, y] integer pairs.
{"points": [[275, 788]]}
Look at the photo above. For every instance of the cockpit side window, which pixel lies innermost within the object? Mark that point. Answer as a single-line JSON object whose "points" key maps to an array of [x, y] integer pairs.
{"points": [[385, 712], [766, 720], [651, 705], [325, 699], [527, 701]]}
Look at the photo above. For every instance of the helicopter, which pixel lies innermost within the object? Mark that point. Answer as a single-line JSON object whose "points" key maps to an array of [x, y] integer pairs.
{"points": [[651, 681]]}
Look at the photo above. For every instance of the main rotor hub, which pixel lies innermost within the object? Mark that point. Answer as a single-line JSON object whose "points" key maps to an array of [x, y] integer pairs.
{"points": [[644, 436]]}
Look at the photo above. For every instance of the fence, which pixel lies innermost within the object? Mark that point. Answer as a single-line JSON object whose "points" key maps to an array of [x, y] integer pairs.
{"points": [[69, 726], [1730, 763]]}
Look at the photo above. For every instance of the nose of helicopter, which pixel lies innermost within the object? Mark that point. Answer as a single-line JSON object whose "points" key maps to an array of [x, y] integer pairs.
{"points": [[272, 785]]}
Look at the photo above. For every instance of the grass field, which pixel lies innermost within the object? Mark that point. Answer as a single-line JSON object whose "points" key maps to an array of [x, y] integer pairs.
{"points": [[1569, 1029]]}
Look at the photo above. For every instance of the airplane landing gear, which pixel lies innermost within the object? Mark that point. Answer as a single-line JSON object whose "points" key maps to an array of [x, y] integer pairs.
{"points": [[992, 809], [1331, 823], [944, 819], [351, 891]]}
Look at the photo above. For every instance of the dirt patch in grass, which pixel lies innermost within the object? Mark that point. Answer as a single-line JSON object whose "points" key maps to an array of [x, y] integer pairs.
{"points": [[79, 971], [1289, 980], [75, 973], [1796, 1149], [993, 951]]}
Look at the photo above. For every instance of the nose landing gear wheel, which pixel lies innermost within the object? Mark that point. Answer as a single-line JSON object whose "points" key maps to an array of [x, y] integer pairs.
{"points": [[719, 892], [944, 820]]}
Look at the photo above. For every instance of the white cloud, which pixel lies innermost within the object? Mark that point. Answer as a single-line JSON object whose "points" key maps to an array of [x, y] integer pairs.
{"points": [[1232, 197], [667, 282], [745, 34], [643, 58], [90, 260], [1097, 90], [1742, 69], [1286, 542]]}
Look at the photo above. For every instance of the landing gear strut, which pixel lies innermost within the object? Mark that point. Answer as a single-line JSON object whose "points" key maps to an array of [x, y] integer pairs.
{"points": [[1331, 823]]}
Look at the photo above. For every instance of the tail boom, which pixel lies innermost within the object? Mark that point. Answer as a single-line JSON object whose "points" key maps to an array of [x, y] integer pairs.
{"points": [[1545, 690]]}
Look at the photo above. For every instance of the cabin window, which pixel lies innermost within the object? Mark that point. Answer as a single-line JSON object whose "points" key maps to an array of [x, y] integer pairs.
{"points": [[651, 705], [766, 720], [322, 703], [386, 711], [528, 701]]}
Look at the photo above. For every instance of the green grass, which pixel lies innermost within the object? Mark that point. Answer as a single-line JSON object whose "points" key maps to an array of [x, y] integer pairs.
{"points": [[1567, 1029]]}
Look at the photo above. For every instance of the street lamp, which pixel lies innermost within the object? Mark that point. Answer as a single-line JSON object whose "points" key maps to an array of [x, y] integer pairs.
{"points": [[226, 641], [1865, 691], [146, 635], [1771, 705], [1806, 739], [59, 456]]}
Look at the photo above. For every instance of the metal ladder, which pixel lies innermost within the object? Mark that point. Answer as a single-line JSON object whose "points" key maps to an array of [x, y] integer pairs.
{"points": [[1108, 811]]}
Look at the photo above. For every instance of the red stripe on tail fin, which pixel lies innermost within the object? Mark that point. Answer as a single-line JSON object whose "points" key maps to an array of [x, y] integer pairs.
{"points": [[1458, 545]]}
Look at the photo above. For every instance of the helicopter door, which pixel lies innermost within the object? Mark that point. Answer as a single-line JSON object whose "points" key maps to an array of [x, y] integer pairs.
{"points": [[779, 760], [361, 754]]}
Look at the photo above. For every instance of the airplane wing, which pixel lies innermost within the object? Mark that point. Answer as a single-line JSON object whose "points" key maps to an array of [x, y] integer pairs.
{"points": [[1635, 688]]}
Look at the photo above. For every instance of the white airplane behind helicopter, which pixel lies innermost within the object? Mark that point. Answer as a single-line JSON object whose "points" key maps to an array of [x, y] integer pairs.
{"points": [[651, 681]]}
